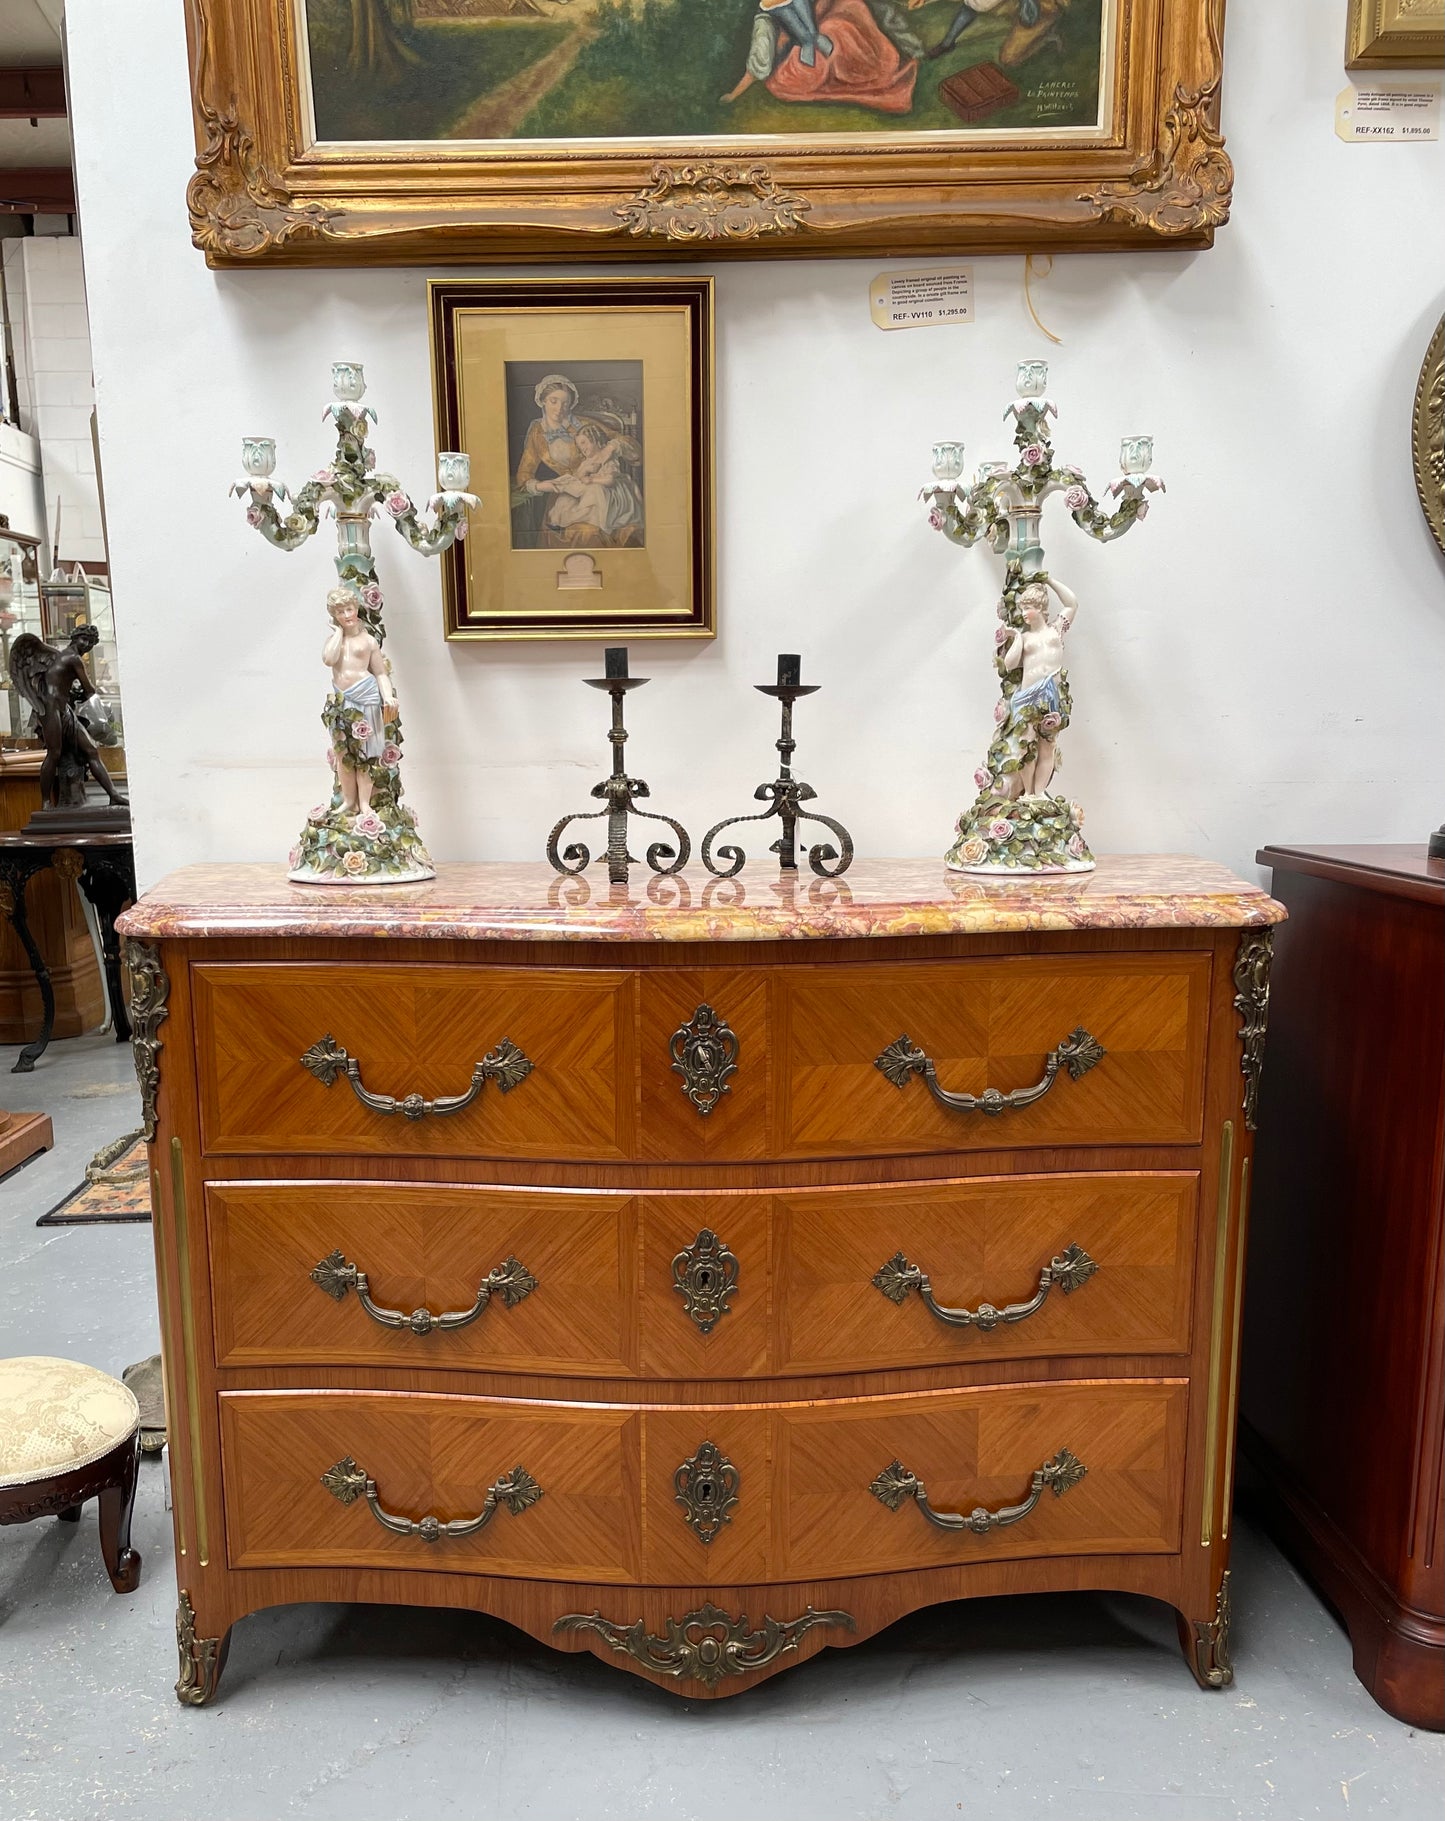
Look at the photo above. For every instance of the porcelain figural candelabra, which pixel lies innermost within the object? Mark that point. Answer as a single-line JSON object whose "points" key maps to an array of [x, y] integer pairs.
{"points": [[365, 834], [1017, 823]]}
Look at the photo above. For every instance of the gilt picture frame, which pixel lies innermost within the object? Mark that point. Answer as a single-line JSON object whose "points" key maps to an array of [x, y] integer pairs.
{"points": [[1395, 35], [586, 409], [372, 132]]}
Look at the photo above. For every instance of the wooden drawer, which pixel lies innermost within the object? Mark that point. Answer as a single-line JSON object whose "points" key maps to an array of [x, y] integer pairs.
{"points": [[990, 1024], [415, 1030], [614, 1284], [430, 1456], [284, 1258], [973, 1449], [849, 1302]]}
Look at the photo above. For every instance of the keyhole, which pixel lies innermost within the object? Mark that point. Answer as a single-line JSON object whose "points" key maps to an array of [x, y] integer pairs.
{"points": [[705, 1492], [704, 1278]]}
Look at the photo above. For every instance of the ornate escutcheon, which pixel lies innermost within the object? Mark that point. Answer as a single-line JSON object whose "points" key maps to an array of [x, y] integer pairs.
{"points": [[895, 1484], [705, 1644], [705, 1274], [336, 1275], [506, 1065], [1251, 979], [704, 1052], [346, 1482], [149, 990], [707, 1489], [898, 1278], [1078, 1053]]}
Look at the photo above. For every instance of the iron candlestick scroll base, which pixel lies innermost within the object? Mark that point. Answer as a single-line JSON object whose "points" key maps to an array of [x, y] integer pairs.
{"points": [[620, 794], [787, 795]]}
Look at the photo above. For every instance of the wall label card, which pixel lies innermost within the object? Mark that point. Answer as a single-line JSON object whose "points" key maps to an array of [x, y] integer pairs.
{"points": [[1388, 112], [922, 299]]}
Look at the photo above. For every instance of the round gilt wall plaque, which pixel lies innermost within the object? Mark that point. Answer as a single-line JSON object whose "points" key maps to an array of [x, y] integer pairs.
{"points": [[1428, 435]]}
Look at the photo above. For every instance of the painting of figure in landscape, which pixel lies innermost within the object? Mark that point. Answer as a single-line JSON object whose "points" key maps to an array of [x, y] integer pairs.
{"points": [[574, 448], [656, 69]]}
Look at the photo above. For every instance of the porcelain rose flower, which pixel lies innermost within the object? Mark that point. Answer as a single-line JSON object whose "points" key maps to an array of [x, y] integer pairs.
{"points": [[1050, 723], [983, 777], [1075, 846], [1033, 455], [1076, 498], [391, 753], [397, 504], [369, 825], [371, 596], [974, 851], [354, 862], [1000, 829]]}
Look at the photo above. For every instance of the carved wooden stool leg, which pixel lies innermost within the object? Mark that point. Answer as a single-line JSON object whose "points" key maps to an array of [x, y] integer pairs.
{"points": [[1205, 1642], [202, 1659], [117, 1502]]}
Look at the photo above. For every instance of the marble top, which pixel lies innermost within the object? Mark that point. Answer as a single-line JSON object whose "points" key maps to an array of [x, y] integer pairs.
{"points": [[520, 902]]}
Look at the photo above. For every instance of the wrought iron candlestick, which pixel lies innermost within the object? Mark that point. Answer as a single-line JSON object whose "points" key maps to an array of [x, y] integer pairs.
{"points": [[1016, 823], [787, 794], [364, 835], [619, 792]]}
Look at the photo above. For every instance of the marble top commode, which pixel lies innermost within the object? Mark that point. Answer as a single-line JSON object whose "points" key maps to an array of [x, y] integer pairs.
{"points": [[523, 902]]}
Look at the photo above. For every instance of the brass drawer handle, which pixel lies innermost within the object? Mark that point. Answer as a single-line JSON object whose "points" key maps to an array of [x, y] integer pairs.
{"points": [[346, 1482], [898, 1277], [336, 1275], [506, 1065], [895, 1484], [1078, 1053]]}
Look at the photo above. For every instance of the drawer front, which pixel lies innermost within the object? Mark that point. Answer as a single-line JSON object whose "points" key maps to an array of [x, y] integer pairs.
{"points": [[991, 1025], [980, 1449], [356, 1273], [295, 1464], [700, 1287], [416, 1031], [994, 1268]]}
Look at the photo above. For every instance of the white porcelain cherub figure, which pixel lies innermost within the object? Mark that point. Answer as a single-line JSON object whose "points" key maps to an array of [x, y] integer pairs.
{"points": [[361, 677], [1038, 709]]}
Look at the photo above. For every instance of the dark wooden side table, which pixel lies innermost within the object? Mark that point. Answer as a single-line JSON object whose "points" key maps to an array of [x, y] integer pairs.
{"points": [[1342, 1400], [104, 868]]}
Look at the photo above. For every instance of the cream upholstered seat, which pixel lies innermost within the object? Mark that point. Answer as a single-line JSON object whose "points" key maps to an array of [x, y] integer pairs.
{"points": [[57, 1415]]}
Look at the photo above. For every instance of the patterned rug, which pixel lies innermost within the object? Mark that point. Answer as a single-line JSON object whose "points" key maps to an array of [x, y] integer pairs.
{"points": [[116, 1188]]}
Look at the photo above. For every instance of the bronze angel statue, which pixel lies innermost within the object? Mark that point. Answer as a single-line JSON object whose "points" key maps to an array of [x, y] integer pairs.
{"points": [[56, 684]]}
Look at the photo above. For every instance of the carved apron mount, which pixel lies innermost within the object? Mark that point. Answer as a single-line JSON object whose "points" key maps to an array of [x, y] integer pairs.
{"points": [[711, 202], [706, 1644]]}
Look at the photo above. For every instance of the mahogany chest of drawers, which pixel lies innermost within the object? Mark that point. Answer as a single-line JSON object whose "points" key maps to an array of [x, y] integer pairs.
{"points": [[703, 1276]]}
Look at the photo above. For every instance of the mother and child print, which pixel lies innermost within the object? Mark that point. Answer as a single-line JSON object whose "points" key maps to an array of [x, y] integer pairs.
{"points": [[651, 69], [574, 442]]}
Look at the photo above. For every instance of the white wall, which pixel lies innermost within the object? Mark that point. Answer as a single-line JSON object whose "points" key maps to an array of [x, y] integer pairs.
{"points": [[1262, 661]]}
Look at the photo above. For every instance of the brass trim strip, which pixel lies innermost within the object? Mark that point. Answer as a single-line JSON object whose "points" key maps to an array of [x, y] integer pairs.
{"points": [[158, 1219], [1216, 1341], [188, 1333], [1239, 1258]]}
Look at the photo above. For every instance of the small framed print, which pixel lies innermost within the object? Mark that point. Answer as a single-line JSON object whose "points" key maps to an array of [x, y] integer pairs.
{"points": [[586, 407]]}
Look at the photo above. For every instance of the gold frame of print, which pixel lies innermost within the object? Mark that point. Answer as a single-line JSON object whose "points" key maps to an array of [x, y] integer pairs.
{"points": [[586, 407], [1393, 35], [997, 128]]}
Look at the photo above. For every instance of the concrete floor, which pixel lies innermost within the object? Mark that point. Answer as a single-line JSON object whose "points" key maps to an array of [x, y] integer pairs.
{"points": [[1078, 1706]]}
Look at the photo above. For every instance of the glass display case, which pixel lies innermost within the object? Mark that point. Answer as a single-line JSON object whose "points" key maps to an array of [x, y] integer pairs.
{"points": [[78, 601], [19, 612]]}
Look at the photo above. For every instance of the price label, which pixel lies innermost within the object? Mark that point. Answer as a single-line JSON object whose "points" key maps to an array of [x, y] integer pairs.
{"points": [[922, 300], [1388, 113]]}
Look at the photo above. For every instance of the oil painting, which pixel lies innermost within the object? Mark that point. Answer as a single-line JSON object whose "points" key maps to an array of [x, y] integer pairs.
{"points": [[574, 432], [408, 70]]}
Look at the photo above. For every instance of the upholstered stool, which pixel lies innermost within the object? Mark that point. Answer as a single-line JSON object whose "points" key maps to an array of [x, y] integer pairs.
{"points": [[69, 1433]]}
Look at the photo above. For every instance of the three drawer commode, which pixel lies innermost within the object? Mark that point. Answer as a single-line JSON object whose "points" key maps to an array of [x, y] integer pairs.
{"points": [[707, 1274]]}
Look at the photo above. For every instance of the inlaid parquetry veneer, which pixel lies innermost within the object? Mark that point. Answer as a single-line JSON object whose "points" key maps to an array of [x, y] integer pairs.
{"points": [[705, 1280]]}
